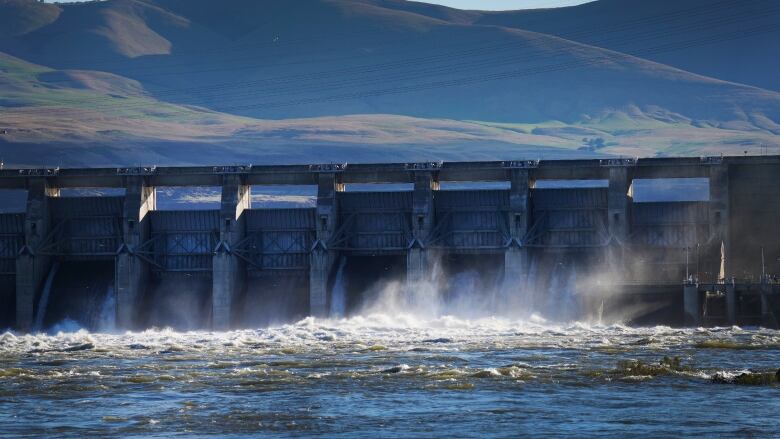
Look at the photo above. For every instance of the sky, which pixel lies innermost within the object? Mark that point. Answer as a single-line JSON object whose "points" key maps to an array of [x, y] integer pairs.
{"points": [[494, 5], [505, 4]]}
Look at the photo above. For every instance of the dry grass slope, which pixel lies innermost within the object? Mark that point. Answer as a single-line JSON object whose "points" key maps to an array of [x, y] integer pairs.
{"points": [[198, 81]]}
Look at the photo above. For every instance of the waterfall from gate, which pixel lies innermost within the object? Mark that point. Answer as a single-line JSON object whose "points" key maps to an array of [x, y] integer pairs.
{"points": [[106, 318], [43, 302], [338, 304]]}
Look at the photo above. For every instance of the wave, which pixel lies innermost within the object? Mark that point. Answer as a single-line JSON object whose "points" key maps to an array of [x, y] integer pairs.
{"points": [[396, 331]]}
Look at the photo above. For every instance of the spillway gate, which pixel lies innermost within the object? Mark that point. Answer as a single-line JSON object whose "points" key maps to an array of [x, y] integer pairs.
{"points": [[649, 244]]}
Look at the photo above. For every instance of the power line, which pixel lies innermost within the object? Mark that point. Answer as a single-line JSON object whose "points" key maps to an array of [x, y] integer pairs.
{"points": [[583, 33], [481, 79], [414, 74], [488, 78], [278, 104]]}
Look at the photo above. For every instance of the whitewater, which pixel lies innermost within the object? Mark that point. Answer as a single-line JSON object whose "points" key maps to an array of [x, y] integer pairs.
{"points": [[390, 375]]}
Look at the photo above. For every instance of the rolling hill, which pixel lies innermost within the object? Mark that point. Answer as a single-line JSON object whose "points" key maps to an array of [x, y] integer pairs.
{"points": [[726, 39], [194, 81], [75, 118]]}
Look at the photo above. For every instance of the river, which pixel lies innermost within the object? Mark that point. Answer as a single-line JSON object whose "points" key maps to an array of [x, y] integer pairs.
{"points": [[402, 376]]}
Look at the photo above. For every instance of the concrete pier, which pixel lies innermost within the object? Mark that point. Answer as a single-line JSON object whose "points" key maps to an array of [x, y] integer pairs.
{"points": [[768, 318], [731, 304], [132, 272], [32, 266], [322, 255], [618, 213], [228, 272], [691, 305], [619, 200], [218, 248], [419, 259], [516, 257]]}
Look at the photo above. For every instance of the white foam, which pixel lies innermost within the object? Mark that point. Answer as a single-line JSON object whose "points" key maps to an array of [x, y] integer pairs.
{"points": [[392, 331]]}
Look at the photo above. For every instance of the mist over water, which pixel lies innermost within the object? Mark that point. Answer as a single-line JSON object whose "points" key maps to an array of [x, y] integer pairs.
{"points": [[100, 317], [439, 295], [550, 296], [459, 352], [76, 296]]}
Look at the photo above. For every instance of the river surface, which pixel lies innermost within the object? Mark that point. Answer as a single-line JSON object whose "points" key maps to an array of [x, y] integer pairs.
{"points": [[376, 376]]}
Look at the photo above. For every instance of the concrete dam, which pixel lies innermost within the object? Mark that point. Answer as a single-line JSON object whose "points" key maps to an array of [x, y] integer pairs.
{"points": [[592, 249]]}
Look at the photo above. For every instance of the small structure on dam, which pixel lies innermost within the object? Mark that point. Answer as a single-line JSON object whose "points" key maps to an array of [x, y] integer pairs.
{"points": [[694, 262]]}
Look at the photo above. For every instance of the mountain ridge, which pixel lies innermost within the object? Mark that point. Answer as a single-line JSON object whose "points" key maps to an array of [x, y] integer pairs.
{"points": [[697, 18], [248, 64]]}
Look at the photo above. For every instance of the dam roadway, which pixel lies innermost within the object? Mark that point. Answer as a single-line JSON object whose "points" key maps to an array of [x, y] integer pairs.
{"points": [[645, 248]]}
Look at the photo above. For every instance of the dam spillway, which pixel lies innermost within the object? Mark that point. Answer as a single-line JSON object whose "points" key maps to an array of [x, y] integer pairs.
{"points": [[701, 262]]}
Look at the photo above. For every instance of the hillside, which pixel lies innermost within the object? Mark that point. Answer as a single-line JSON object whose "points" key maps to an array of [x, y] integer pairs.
{"points": [[730, 40], [272, 59], [77, 118], [193, 81], [20, 17]]}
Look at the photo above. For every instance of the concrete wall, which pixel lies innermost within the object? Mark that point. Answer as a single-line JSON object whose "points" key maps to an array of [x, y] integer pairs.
{"points": [[375, 222], [11, 240], [32, 265], [279, 240], [669, 237], [222, 247], [754, 219], [472, 219], [569, 217], [183, 241]]}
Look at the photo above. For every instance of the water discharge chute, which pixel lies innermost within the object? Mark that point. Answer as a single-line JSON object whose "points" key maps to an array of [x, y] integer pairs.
{"points": [[106, 319], [43, 302], [338, 304]]}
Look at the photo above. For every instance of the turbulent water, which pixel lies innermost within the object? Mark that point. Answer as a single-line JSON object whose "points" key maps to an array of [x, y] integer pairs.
{"points": [[377, 376]]}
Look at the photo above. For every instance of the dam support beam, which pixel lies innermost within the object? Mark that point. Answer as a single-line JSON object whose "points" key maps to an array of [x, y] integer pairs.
{"points": [[731, 304], [131, 271], [619, 201], [418, 257], [322, 257], [228, 270], [691, 305], [516, 257], [321, 264], [719, 216], [31, 266]]}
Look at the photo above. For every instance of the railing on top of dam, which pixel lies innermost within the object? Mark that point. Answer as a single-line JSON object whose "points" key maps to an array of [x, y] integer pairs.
{"points": [[11, 178]]}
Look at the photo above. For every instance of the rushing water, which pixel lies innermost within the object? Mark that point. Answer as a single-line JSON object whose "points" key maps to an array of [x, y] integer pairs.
{"points": [[377, 376]]}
